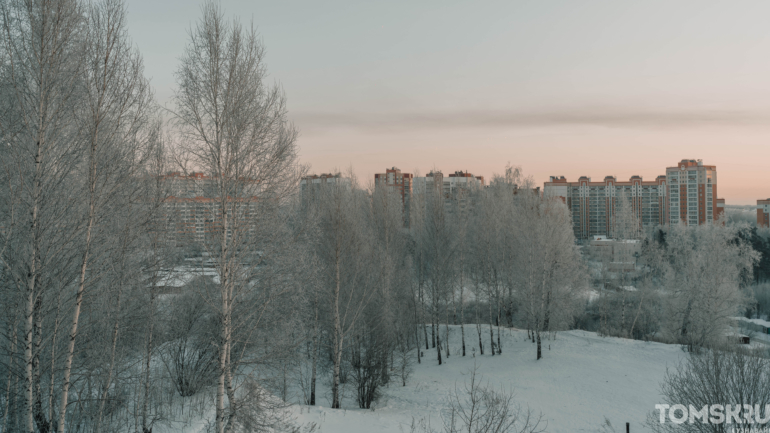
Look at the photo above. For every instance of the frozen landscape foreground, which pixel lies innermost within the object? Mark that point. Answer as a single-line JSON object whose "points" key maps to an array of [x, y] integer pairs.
{"points": [[581, 379]]}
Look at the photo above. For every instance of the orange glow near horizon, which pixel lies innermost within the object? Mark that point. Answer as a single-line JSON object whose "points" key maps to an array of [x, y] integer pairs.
{"points": [[741, 154]]}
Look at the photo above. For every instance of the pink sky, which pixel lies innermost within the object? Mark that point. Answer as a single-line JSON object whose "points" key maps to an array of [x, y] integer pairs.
{"points": [[740, 151], [559, 87]]}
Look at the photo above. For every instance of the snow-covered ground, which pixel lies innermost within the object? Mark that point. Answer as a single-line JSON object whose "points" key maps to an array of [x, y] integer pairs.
{"points": [[582, 379]]}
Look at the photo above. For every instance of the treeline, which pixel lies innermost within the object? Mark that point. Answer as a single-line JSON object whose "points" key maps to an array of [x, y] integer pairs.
{"points": [[688, 284]]}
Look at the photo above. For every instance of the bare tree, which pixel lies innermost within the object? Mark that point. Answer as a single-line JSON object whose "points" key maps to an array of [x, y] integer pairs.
{"points": [[41, 51], [734, 377], [234, 127], [114, 122], [706, 268], [344, 251], [550, 268]]}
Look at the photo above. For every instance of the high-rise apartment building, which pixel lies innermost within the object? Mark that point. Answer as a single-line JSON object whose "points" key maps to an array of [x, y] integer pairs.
{"points": [[692, 192], [763, 213], [396, 181], [688, 192], [455, 190]]}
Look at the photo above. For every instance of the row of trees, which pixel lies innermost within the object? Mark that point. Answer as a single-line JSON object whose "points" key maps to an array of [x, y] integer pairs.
{"points": [[87, 341]]}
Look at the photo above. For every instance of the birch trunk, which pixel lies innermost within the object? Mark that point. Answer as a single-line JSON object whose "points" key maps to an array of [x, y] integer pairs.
{"points": [[338, 337]]}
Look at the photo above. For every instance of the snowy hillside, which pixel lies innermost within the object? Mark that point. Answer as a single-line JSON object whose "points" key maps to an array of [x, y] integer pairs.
{"points": [[582, 379]]}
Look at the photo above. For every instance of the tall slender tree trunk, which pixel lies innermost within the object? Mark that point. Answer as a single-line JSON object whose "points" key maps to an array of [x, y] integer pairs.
{"points": [[462, 314], [11, 357], [478, 327], [638, 310], [438, 347], [499, 344], [31, 287], [111, 368], [338, 337], [491, 330], [40, 418], [51, 386], [148, 359], [446, 335], [83, 271], [225, 289], [416, 334], [314, 355]]}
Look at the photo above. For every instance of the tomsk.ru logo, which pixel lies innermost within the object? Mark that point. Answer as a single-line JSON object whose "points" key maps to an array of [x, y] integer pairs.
{"points": [[716, 414]]}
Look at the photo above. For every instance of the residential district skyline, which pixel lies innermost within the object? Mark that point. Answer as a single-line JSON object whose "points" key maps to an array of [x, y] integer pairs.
{"points": [[602, 173], [575, 88]]}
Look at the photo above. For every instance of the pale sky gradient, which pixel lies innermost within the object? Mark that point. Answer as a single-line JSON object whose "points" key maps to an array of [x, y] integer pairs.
{"points": [[558, 87]]}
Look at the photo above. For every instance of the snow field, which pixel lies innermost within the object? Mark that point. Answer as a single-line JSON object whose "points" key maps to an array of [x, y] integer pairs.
{"points": [[581, 379]]}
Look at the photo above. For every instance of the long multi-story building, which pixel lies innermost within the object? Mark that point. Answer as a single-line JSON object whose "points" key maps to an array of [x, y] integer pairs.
{"points": [[594, 205], [192, 208], [314, 181], [763, 213], [687, 192]]}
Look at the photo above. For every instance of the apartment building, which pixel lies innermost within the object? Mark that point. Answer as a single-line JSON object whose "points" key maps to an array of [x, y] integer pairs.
{"points": [[594, 205], [310, 186], [763, 213], [720, 209], [457, 186], [455, 190], [692, 192], [314, 181], [397, 181], [191, 210], [687, 192]]}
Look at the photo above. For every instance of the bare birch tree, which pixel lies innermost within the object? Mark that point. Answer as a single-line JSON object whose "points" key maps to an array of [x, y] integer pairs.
{"points": [[234, 126], [550, 268], [343, 248], [41, 70]]}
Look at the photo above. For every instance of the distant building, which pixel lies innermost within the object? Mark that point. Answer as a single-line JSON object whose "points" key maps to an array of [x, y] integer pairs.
{"points": [[619, 255], [192, 209], [310, 186], [455, 189], [763, 213], [687, 192], [394, 180], [397, 181], [595, 204], [693, 192], [314, 181], [720, 209]]}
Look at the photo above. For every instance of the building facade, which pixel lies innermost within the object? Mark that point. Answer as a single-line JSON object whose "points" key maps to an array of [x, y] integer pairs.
{"points": [[687, 192], [594, 205], [192, 208], [692, 192], [763, 213], [395, 180], [720, 209], [313, 182]]}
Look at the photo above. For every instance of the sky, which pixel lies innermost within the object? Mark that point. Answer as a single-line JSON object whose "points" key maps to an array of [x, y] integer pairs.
{"points": [[568, 88]]}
